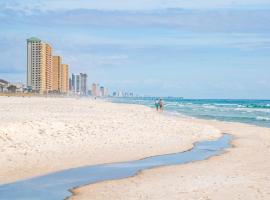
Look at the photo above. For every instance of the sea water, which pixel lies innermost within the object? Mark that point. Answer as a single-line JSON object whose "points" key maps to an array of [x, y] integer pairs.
{"points": [[256, 112]]}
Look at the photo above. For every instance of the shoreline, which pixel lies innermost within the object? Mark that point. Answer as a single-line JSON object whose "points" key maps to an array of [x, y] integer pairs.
{"points": [[138, 142], [188, 174], [52, 137], [76, 190]]}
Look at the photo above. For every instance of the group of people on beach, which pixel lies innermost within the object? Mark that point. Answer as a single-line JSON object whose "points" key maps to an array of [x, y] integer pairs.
{"points": [[159, 104]]}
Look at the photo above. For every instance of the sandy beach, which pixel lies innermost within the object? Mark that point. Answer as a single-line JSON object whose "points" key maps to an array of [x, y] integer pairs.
{"points": [[41, 135], [242, 173]]}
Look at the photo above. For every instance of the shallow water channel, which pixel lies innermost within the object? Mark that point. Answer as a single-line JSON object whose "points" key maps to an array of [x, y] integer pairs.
{"points": [[56, 186]]}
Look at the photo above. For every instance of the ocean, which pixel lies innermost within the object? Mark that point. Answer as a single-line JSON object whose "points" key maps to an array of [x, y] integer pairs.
{"points": [[256, 112]]}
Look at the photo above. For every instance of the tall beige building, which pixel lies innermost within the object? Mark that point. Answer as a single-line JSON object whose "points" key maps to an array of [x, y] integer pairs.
{"points": [[39, 65], [64, 80], [45, 72], [49, 67], [56, 70]]}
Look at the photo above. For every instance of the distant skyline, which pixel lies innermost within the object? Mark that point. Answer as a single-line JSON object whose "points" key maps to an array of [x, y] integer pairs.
{"points": [[151, 47]]}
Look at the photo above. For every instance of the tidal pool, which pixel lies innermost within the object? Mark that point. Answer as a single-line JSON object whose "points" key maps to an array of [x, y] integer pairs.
{"points": [[57, 186]]}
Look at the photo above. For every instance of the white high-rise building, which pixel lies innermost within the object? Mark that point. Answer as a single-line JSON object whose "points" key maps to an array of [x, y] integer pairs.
{"points": [[79, 83], [34, 63], [39, 65]]}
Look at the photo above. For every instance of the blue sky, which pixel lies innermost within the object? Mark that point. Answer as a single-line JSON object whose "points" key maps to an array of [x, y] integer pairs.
{"points": [[195, 49]]}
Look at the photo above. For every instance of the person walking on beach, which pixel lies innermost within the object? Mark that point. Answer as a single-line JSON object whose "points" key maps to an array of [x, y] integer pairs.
{"points": [[161, 105], [157, 104]]}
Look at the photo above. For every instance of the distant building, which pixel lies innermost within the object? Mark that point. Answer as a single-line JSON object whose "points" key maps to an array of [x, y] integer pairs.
{"points": [[106, 92], [83, 85], [76, 82], [12, 89], [79, 84], [102, 91], [98, 90], [73, 82], [3, 85], [120, 94], [20, 87], [94, 90], [89, 92], [70, 84]]}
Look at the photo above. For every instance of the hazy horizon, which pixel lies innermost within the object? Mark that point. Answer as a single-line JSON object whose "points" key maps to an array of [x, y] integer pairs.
{"points": [[150, 47]]}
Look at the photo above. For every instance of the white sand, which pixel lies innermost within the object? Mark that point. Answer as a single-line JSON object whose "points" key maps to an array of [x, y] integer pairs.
{"points": [[240, 174], [42, 135]]}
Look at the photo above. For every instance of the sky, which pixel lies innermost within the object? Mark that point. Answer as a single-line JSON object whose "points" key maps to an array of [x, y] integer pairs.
{"points": [[187, 48]]}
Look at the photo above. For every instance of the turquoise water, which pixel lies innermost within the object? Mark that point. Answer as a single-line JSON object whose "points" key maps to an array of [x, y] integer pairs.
{"points": [[56, 186], [256, 112]]}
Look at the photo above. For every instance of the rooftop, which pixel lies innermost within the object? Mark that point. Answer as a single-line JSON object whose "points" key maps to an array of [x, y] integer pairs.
{"points": [[3, 81], [33, 39]]}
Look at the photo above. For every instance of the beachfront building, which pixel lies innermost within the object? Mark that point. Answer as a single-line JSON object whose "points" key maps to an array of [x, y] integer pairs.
{"points": [[57, 62], [76, 84], [83, 88], [94, 90], [64, 80], [73, 83], [102, 91], [48, 68], [20, 87], [98, 91], [107, 92], [70, 84], [3, 85], [37, 65], [79, 84], [60, 81], [45, 72]]}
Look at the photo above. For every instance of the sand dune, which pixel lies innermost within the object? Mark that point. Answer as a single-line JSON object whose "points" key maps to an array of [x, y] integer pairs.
{"points": [[41, 135]]}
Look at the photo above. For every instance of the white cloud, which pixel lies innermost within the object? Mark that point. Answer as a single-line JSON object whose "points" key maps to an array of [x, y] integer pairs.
{"points": [[130, 5]]}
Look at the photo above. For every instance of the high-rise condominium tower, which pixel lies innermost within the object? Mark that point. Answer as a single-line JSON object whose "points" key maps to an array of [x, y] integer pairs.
{"points": [[39, 65], [64, 81], [57, 62], [79, 84], [49, 66], [102, 91], [45, 72], [76, 83], [94, 89], [83, 84]]}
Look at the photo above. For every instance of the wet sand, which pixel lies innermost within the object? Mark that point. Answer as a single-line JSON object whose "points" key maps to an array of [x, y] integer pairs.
{"points": [[242, 173]]}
